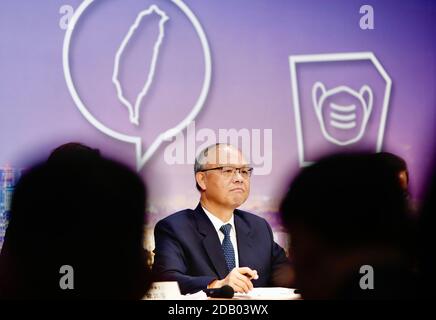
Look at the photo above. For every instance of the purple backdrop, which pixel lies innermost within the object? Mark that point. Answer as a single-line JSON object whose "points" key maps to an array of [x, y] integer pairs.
{"points": [[251, 89]]}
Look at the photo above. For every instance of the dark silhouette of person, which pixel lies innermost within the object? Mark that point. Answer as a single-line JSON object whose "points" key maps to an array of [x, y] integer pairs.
{"points": [[82, 211], [351, 234], [398, 167], [73, 151], [427, 227]]}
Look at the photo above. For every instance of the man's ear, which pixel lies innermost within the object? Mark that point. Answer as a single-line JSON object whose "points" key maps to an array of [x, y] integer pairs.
{"points": [[200, 178]]}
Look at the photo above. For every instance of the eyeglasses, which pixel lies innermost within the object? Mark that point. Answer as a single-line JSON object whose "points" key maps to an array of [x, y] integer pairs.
{"points": [[229, 172]]}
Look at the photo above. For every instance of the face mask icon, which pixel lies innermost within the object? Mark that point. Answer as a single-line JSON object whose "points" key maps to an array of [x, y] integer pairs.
{"points": [[342, 113]]}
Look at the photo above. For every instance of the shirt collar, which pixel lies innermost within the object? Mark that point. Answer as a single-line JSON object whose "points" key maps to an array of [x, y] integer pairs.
{"points": [[217, 223]]}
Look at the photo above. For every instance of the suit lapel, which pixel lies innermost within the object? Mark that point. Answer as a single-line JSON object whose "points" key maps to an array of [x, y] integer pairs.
{"points": [[244, 240], [211, 242]]}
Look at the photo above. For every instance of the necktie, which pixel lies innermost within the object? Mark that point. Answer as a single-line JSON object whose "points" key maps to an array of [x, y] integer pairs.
{"points": [[229, 252]]}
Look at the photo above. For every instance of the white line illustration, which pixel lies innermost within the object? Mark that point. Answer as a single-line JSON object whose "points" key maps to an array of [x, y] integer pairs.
{"points": [[342, 125], [295, 60], [320, 94], [134, 110], [141, 156], [342, 117], [339, 108]]}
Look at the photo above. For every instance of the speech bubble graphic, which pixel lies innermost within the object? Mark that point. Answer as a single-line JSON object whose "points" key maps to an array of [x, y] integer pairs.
{"points": [[134, 110], [340, 102], [141, 156]]}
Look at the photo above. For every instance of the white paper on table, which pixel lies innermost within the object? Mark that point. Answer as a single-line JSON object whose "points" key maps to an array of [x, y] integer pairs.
{"points": [[200, 295], [272, 293]]}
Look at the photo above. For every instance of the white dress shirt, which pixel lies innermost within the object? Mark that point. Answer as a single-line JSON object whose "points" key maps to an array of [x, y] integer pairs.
{"points": [[217, 223]]}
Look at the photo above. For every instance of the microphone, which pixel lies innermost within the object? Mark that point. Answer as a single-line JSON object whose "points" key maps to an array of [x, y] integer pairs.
{"points": [[223, 292]]}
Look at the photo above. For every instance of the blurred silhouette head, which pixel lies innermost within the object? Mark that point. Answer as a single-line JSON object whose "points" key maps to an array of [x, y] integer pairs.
{"points": [[397, 165], [73, 152], [80, 210], [342, 212], [427, 227]]}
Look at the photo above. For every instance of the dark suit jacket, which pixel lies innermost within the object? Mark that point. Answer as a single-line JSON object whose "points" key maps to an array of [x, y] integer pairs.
{"points": [[189, 251]]}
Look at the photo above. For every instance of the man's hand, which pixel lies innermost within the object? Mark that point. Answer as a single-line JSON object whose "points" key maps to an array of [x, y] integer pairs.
{"points": [[239, 279]]}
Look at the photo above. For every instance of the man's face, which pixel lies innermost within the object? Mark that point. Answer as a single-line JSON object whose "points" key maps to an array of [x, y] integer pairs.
{"points": [[224, 189]]}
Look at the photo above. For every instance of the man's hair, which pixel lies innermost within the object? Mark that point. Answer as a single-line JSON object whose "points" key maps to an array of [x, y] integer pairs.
{"points": [[201, 159]]}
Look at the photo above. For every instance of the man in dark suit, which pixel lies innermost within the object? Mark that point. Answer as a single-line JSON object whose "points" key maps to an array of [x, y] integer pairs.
{"points": [[216, 244]]}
